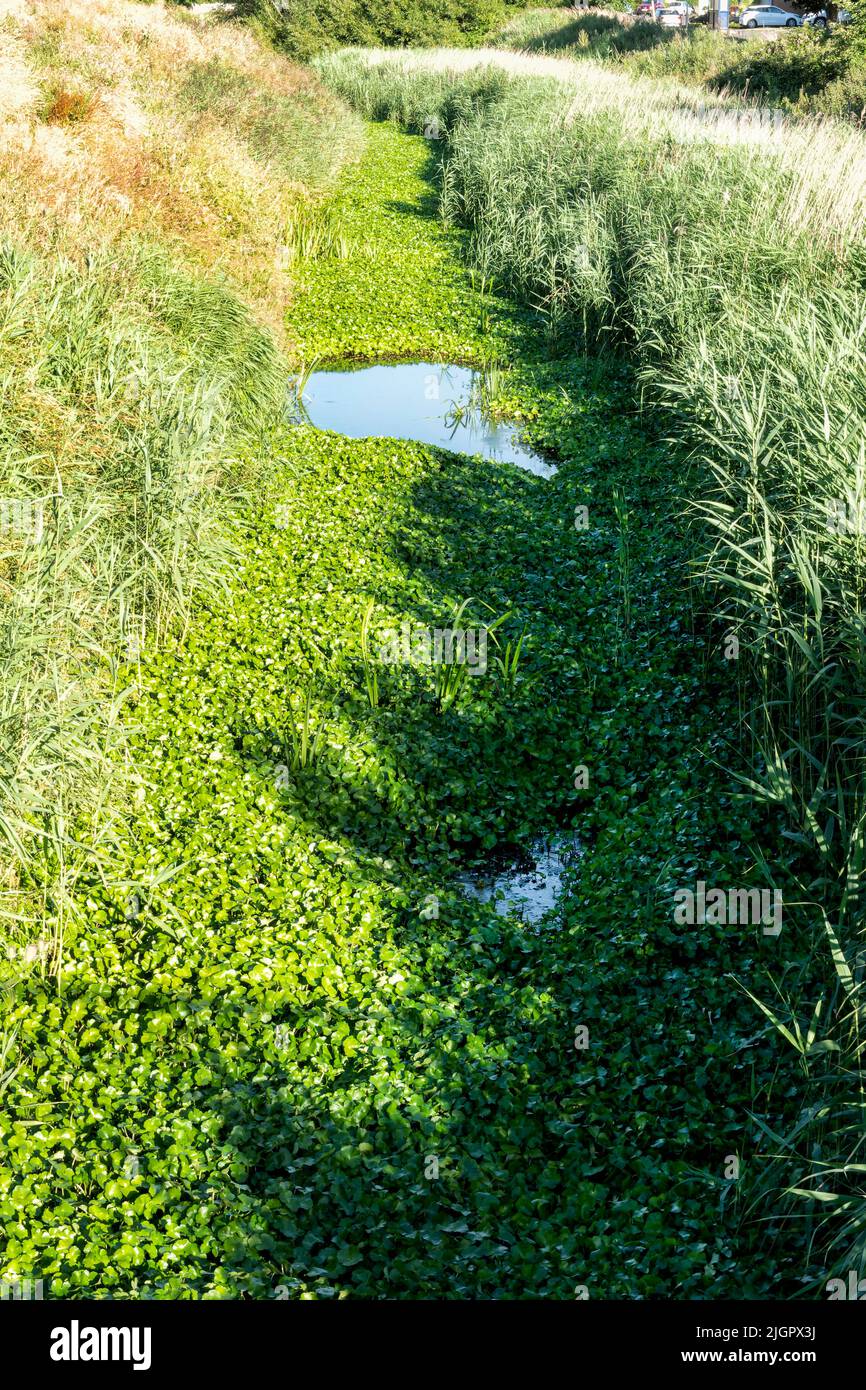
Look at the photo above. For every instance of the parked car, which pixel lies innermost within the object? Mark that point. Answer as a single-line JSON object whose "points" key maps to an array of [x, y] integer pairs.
{"points": [[672, 17], [819, 18], [762, 16]]}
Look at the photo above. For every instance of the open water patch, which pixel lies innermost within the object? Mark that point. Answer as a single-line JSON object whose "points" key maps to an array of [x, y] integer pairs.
{"points": [[422, 401]]}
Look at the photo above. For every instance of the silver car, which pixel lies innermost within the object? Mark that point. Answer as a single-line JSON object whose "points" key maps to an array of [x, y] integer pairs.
{"points": [[760, 16], [819, 19]]}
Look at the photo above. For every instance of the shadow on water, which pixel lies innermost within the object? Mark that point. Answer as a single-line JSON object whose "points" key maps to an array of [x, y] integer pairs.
{"points": [[355, 1154]]}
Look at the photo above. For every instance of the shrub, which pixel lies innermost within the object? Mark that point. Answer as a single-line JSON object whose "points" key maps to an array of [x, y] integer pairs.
{"points": [[812, 70], [306, 27], [803, 65]]}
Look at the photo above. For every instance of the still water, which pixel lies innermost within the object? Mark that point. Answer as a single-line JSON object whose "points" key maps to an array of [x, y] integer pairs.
{"points": [[530, 885], [420, 401]]}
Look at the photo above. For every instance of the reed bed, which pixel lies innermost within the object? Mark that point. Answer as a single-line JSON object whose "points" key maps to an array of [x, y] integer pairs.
{"points": [[153, 169]]}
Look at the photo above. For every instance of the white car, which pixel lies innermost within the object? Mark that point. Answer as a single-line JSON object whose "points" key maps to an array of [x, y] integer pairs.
{"points": [[759, 16], [820, 21], [670, 18]]}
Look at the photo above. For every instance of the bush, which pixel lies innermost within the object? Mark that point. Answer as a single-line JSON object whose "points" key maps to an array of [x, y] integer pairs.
{"points": [[845, 99], [811, 71], [592, 35], [306, 27], [804, 65]]}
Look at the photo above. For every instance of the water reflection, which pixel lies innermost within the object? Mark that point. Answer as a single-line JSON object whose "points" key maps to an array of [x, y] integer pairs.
{"points": [[529, 885], [422, 401]]}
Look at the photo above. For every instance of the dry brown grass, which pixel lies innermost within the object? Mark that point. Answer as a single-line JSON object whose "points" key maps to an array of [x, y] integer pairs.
{"points": [[137, 145], [97, 140], [67, 108]]}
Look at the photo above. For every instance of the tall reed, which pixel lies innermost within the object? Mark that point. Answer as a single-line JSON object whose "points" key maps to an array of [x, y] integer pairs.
{"points": [[140, 250]]}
